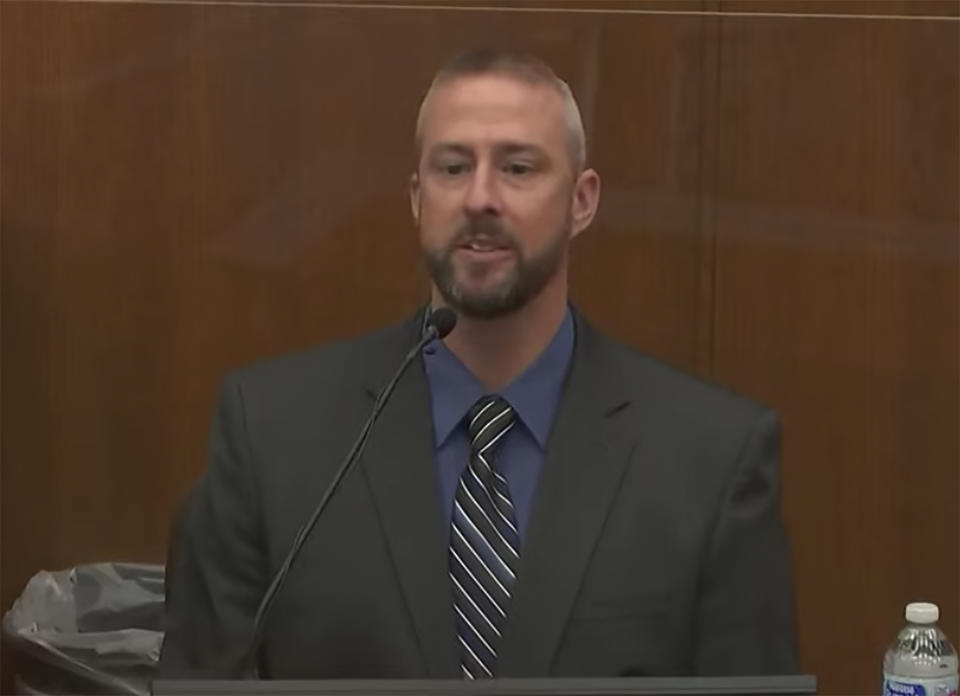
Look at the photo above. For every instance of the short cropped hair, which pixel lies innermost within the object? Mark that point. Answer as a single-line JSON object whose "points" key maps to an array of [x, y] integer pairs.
{"points": [[525, 68]]}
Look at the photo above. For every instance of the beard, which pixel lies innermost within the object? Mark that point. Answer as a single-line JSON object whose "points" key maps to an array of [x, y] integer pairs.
{"points": [[524, 280]]}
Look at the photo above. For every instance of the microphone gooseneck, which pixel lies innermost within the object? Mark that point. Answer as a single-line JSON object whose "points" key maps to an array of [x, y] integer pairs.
{"points": [[438, 325]]}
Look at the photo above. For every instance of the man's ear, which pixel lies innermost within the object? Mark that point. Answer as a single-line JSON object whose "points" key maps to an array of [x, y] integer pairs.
{"points": [[586, 198], [415, 197]]}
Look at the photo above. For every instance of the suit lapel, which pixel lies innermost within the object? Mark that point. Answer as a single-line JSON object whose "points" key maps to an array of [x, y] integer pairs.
{"points": [[585, 461], [399, 464]]}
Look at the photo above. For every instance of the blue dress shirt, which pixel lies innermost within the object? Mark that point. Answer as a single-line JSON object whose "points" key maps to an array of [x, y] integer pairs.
{"points": [[534, 396]]}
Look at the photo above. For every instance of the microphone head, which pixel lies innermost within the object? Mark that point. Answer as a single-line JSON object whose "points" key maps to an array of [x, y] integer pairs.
{"points": [[442, 320]]}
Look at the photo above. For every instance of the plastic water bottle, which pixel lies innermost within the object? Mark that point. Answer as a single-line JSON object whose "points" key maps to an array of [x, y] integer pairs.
{"points": [[921, 661]]}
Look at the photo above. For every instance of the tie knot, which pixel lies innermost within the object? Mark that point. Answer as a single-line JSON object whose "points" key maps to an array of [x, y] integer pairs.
{"points": [[490, 418]]}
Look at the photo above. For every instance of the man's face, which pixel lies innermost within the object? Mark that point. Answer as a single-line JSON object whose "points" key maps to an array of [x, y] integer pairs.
{"points": [[494, 193]]}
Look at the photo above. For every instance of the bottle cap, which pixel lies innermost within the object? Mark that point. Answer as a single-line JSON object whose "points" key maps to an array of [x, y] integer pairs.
{"points": [[922, 613]]}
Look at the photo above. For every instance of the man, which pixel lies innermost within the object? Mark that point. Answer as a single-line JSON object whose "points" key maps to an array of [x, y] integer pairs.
{"points": [[535, 500]]}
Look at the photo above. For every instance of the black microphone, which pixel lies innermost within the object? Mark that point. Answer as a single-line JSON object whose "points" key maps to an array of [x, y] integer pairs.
{"points": [[440, 323]]}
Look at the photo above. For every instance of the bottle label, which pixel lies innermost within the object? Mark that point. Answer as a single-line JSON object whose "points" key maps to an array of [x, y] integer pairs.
{"points": [[909, 686]]}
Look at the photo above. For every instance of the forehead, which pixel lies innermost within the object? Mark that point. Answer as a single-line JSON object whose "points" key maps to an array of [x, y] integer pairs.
{"points": [[487, 109]]}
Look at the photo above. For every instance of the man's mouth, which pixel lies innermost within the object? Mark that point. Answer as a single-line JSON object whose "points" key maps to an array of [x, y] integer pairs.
{"points": [[484, 245]]}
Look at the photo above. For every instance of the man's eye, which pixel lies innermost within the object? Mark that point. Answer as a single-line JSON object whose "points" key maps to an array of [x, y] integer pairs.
{"points": [[453, 168], [518, 168]]}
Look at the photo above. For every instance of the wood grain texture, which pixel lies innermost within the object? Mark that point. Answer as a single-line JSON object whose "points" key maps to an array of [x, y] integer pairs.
{"points": [[187, 188], [836, 8], [836, 302], [191, 188]]}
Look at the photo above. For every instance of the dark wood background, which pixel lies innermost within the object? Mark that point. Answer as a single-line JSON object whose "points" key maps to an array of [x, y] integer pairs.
{"points": [[188, 187]]}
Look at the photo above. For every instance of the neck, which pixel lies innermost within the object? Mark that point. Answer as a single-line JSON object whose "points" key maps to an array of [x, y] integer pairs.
{"points": [[498, 350]]}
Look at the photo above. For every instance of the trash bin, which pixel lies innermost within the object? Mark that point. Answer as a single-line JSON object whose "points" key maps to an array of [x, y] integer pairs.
{"points": [[93, 629]]}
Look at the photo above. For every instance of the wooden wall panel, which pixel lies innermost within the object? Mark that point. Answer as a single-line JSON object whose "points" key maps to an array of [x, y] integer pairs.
{"points": [[841, 8], [186, 188], [836, 301], [638, 272]]}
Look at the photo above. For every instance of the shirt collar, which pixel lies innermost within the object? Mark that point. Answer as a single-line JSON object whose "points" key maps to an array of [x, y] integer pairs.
{"points": [[534, 395]]}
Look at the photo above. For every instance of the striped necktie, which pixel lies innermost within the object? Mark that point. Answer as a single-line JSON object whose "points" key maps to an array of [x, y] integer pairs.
{"points": [[484, 544]]}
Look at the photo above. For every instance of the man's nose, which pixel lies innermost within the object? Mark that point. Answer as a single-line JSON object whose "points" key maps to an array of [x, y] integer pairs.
{"points": [[482, 195]]}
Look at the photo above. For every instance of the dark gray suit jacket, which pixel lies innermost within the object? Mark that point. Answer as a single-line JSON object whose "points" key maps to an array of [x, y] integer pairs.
{"points": [[656, 545]]}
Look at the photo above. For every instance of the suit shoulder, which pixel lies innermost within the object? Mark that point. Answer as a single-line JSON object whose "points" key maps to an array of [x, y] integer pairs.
{"points": [[647, 377], [338, 362]]}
